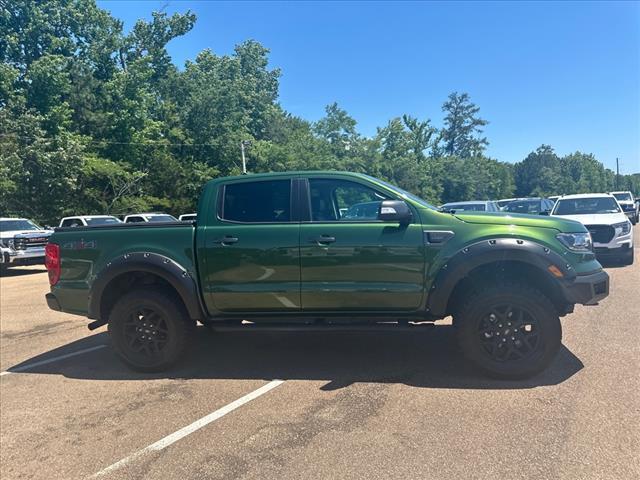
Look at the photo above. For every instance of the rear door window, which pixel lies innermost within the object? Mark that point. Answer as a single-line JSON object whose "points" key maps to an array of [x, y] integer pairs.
{"points": [[266, 201]]}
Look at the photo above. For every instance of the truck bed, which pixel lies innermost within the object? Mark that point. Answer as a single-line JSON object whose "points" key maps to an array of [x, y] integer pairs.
{"points": [[87, 250]]}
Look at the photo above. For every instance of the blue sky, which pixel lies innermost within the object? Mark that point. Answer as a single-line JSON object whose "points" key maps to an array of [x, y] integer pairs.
{"points": [[564, 74]]}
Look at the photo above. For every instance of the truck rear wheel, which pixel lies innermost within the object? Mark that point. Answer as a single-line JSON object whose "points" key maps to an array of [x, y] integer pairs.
{"points": [[149, 329], [509, 331]]}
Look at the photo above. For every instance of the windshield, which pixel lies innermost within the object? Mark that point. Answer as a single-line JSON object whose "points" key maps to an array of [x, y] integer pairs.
{"points": [[473, 207], [161, 218], [101, 220], [403, 193], [9, 225], [524, 206], [586, 206], [623, 197]]}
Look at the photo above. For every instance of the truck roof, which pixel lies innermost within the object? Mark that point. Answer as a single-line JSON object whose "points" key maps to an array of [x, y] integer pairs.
{"points": [[584, 195], [89, 216], [293, 174]]}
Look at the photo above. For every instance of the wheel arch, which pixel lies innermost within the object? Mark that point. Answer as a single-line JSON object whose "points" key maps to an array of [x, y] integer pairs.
{"points": [[142, 269], [475, 265]]}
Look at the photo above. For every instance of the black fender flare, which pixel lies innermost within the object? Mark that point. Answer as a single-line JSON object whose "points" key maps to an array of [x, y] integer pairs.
{"points": [[169, 270], [492, 251]]}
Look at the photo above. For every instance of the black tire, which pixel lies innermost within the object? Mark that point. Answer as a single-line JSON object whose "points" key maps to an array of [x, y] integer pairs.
{"points": [[149, 329], [507, 345]]}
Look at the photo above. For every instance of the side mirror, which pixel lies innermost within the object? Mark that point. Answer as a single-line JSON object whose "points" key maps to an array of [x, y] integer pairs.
{"points": [[545, 212], [394, 211]]}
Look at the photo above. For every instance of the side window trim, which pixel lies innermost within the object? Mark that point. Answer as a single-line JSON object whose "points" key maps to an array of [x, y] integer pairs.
{"points": [[221, 196]]}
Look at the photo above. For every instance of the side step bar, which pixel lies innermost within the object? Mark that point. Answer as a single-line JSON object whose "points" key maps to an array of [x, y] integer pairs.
{"points": [[319, 327]]}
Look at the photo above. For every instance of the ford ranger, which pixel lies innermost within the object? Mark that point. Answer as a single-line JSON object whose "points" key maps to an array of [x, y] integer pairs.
{"points": [[279, 251]]}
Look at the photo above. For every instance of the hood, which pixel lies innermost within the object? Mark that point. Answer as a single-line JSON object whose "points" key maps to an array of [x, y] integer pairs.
{"points": [[597, 218], [25, 233], [522, 220]]}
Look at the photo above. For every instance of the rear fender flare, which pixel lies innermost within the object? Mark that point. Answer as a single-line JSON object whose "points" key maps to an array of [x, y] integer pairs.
{"points": [[169, 270]]}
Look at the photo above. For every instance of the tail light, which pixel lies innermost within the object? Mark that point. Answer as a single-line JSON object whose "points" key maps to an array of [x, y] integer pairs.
{"points": [[52, 262]]}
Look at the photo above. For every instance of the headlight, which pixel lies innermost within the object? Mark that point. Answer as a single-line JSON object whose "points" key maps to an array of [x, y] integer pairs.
{"points": [[625, 227], [6, 243], [577, 242]]}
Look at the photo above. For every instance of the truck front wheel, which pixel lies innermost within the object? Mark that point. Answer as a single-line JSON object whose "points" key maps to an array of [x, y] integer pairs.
{"points": [[509, 331], [149, 329]]}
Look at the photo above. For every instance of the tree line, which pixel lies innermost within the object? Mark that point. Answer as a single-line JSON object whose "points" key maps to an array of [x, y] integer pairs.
{"points": [[93, 120]]}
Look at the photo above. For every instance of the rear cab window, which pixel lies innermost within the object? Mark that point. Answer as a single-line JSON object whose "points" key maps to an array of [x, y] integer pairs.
{"points": [[263, 201]]}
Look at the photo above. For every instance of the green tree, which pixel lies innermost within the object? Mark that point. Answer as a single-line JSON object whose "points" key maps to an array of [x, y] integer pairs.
{"points": [[462, 132]]}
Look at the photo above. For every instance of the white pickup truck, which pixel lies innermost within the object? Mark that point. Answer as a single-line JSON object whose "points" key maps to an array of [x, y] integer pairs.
{"points": [[601, 213], [628, 205], [22, 242]]}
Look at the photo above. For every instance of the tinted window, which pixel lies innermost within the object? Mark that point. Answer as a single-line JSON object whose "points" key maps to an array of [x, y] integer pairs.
{"points": [[586, 206], [135, 219], [342, 200], [161, 218], [101, 220], [524, 206], [623, 197], [257, 202]]}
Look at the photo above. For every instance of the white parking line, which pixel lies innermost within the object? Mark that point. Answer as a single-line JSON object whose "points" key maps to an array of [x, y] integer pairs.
{"points": [[197, 425], [50, 360]]}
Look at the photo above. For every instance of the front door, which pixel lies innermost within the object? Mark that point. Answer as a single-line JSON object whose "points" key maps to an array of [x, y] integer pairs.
{"points": [[350, 260], [252, 257]]}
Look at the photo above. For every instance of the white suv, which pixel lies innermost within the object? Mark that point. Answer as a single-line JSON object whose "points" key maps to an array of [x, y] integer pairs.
{"points": [[626, 201], [611, 231]]}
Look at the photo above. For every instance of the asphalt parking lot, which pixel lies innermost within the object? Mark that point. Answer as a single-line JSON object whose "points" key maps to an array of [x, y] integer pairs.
{"points": [[349, 406]]}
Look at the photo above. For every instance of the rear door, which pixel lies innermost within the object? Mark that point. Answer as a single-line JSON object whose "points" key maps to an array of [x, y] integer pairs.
{"points": [[251, 258], [350, 260]]}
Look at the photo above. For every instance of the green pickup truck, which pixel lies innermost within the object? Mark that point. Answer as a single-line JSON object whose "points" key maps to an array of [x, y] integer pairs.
{"points": [[328, 251]]}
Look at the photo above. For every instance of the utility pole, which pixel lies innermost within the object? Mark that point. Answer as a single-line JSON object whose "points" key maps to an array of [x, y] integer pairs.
{"points": [[244, 143], [617, 173]]}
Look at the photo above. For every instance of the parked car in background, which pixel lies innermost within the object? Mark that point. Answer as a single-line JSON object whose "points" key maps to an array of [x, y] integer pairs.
{"points": [[88, 220], [473, 206], [22, 242], [531, 206], [504, 202], [188, 217], [628, 205], [610, 228], [149, 217]]}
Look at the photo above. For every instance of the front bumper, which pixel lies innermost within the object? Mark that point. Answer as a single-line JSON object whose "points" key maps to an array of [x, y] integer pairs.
{"points": [[588, 289], [29, 256]]}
